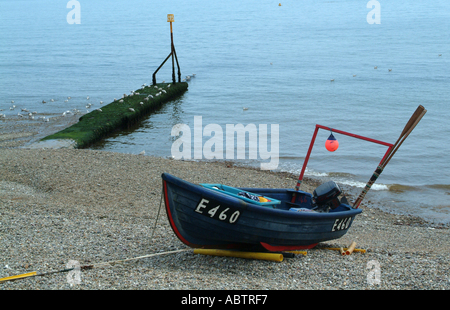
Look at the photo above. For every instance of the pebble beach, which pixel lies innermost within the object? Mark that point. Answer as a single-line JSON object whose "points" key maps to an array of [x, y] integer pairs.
{"points": [[93, 207]]}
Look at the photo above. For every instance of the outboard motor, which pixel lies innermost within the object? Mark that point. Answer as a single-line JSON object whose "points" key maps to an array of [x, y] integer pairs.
{"points": [[325, 197]]}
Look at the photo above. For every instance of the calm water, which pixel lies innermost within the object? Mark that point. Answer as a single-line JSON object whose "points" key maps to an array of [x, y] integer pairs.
{"points": [[277, 61]]}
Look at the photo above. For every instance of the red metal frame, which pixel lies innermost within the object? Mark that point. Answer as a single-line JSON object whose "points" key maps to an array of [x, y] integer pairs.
{"points": [[300, 178]]}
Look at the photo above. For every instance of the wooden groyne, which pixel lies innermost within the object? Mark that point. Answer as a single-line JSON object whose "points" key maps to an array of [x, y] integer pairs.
{"points": [[120, 114]]}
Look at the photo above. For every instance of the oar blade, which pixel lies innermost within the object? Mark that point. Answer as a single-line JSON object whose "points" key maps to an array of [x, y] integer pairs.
{"points": [[413, 118]]}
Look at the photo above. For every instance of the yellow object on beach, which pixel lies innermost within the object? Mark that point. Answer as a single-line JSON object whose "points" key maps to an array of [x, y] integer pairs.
{"points": [[20, 276], [345, 249], [252, 255], [351, 248], [298, 252]]}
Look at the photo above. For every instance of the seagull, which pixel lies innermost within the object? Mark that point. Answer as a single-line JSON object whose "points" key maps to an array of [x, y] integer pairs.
{"points": [[69, 98], [20, 115], [440, 55], [164, 91], [354, 75], [101, 102], [43, 101], [150, 96], [390, 70], [244, 108], [121, 100], [142, 153], [332, 80], [376, 67], [12, 101], [25, 110], [100, 110], [87, 97], [52, 100], [131, 109], [141, 103]]}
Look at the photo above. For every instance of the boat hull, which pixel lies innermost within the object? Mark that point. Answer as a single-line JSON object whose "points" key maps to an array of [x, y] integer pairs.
{"points": [[204, 218]]}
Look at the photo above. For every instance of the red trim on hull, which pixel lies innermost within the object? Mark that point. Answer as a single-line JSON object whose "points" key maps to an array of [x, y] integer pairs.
{"points": [[279, 248], [174, 227]]}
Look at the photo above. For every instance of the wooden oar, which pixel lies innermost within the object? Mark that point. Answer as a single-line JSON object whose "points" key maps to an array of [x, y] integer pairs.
{"points": [[410, 125]]}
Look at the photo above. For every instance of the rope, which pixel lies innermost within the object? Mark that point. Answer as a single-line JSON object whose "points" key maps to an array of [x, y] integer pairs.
{"points": [[111, 263], [157, 216]]}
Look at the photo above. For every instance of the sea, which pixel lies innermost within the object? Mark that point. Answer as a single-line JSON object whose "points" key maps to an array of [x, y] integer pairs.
{"points": [[361, 67]]}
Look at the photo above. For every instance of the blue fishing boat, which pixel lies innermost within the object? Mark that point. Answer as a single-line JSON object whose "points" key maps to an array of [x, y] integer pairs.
{"points": [[220, 216]]}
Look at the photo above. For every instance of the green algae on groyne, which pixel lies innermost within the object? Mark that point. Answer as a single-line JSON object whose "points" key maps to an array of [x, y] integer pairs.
{"points": [[120, 114]]}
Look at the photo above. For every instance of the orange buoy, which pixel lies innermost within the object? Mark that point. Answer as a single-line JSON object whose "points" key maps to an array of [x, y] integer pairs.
{"points": [[331, 144]]}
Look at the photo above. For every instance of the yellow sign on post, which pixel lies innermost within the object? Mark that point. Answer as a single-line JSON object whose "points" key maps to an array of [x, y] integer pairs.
{"points": [[170, 18]]}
